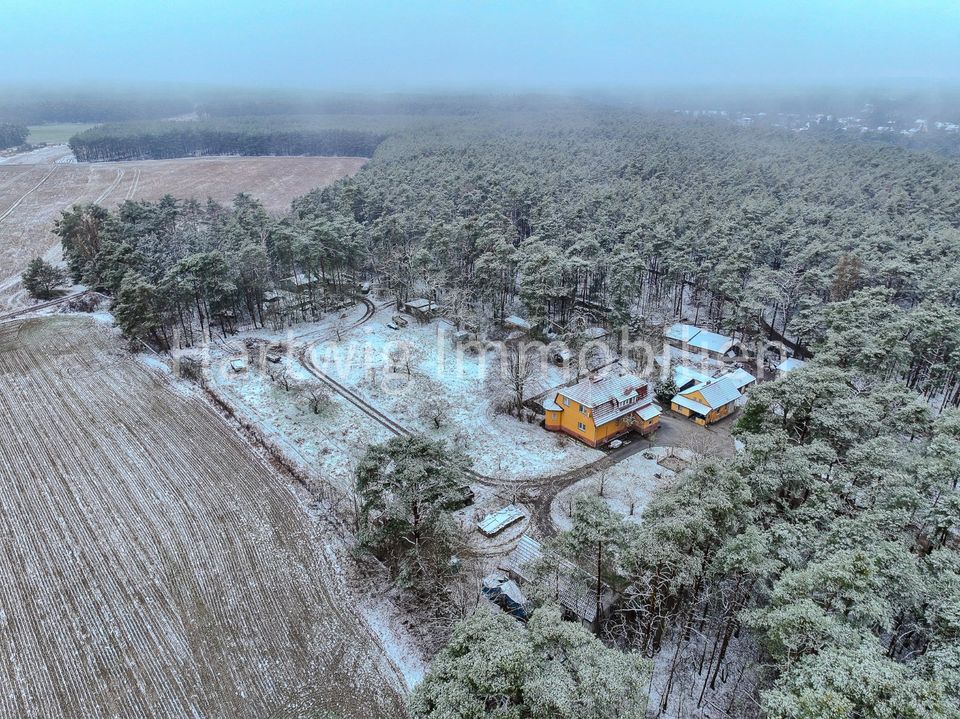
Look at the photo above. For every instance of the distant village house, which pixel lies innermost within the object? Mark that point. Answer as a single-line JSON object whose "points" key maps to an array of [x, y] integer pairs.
{"points": [[421, 308]]}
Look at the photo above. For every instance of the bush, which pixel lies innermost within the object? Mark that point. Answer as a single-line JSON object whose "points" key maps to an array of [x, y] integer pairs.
{"points": [[41, 280]]}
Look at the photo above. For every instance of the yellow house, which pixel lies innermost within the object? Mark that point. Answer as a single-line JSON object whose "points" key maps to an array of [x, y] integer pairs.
{"points": [[599, 409], [707, 402]]}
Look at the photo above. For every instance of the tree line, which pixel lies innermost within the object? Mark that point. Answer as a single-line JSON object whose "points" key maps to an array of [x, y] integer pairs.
{"points": [[164, 140], [636, 220], [180, 271], [12, 135]]}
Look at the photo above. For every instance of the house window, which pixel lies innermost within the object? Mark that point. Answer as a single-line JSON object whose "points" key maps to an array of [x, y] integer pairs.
{"points": [[566, 402], [554, 415], [583, 410], [581, 426]]}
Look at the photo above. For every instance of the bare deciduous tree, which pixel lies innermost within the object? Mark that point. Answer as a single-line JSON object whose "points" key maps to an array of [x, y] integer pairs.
{"points": [[520, 365]]}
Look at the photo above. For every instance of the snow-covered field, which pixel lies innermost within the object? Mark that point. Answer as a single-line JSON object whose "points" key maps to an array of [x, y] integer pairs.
{"points": [[151, 563], [416, 373]]}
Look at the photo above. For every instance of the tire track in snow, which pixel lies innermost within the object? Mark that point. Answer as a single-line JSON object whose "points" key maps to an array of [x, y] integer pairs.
{"points": [[27, 194], [110, 188], [133, 187]]}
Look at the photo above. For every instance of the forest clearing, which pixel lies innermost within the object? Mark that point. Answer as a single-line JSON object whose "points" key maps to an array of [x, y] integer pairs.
{"points": [[35, 187], [151, 564]]}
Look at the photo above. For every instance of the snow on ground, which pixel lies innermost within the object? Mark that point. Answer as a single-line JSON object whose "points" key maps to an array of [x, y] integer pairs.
{"points": [[415, 373], [384, 621], [329, 445], [628, 485]]}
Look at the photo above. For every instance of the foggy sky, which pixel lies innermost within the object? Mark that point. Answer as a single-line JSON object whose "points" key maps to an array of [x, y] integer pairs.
{"points": [[477, 44]]}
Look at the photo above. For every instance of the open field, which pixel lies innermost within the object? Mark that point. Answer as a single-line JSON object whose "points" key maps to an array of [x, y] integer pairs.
{"points": [[150, 563], [35, 188], [56, 133]]}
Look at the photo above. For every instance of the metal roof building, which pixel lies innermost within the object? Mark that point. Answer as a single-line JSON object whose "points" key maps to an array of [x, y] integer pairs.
{"points": [[741, 378], [699, 340], [718, 392], [709, 401]]}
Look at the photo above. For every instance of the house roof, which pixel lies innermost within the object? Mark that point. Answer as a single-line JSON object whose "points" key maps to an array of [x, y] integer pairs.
{"points": [[741, 377], [712, 342], [691, 404], [717, 392], [576, 589], [420, 304], [649, 412], [699, 338], [680, 332], [683, 376], [790, 364], [593, 391], [610, 411]]}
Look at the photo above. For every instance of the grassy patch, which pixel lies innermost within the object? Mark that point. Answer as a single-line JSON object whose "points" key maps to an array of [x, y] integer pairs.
{"points": [[55, 133]]}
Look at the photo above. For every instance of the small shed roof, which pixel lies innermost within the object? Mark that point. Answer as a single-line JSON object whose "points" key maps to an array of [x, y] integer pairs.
{"points": [[420, 303], [517, 321], [550, 406], [790, 364], [494, 584], [649, 412], [496, 522], [594, 333], [513, 592]]}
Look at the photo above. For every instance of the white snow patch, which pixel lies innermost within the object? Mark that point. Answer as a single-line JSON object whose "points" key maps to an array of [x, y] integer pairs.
{"points": [[629, 484]]}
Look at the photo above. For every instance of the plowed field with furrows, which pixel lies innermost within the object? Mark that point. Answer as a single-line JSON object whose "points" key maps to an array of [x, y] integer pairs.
{"points": [[151, 565]]}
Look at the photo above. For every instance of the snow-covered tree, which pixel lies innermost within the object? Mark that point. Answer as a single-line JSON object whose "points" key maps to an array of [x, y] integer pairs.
{"points": [[495, 667]]}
